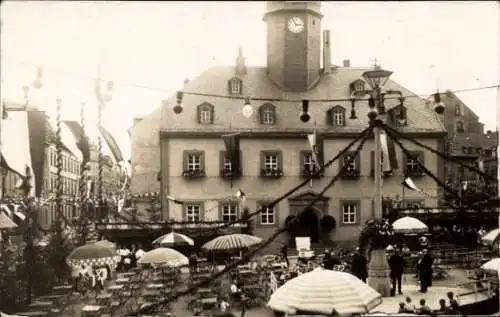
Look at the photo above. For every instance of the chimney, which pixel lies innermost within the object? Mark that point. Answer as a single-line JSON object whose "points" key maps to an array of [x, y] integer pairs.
{"points": [[347, 63], [327, 53]]}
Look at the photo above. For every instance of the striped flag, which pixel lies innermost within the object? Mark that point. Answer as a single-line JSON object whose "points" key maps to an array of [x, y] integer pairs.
{"points": [[80, 139], [232, 144], [111, 142], [389, 159], [316, 142]]}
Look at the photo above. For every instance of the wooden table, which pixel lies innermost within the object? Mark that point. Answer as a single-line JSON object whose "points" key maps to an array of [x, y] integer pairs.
{"points": [[91, 310], [41, 304], [102, 299], [62, 289], [208, 303], [155, 286], [33, 313], [115, 288], [123, 280]]}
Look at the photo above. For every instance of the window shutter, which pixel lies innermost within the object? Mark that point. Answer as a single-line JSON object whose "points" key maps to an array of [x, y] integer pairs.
{"points": [[185, 155], [352, 87], [261, 114], [320, 141], [184, 211], [372, 163], [262, 159], [222, 156], [241, 86], [329, 117], [420, 156], [212, 114], [202, 210], [302, 157], [275, 117], [357, 161], [229, 87], [198, 114], [280, 159], [341, 161], [241, 162], [202, 159]]}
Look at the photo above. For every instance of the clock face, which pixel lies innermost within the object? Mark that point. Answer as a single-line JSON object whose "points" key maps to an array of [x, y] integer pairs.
{"points": [[295, 25]]}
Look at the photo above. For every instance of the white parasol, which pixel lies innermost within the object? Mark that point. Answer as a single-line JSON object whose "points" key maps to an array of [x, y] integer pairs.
{"points": [[409, 225]]}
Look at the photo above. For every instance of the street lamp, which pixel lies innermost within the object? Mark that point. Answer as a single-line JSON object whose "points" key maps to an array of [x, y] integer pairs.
{"points": [[378, 267]]}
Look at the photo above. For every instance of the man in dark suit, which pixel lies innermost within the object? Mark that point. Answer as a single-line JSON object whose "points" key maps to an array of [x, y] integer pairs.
{"points": [[396, 264], [359, 265], [424, 268], [284, 253]]}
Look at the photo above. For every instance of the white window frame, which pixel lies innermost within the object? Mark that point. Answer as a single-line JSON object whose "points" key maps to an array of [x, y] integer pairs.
{"points": [[193, 213], [351, 166], [271, 162], [235, 85], [359, 87], [266, 214], [205, 116], [230, 213], [338, 117], [308, 161], [268, 115], [226, 165], [349, 210], [193, 162]]}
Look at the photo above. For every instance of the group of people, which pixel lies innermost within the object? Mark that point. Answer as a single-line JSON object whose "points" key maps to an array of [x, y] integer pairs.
{"points": [[450, 308], [88, 279], [129, 257]]}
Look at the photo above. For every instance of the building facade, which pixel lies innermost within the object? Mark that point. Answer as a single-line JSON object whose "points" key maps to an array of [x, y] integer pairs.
{"points": [[188, 151], [468, 143]]}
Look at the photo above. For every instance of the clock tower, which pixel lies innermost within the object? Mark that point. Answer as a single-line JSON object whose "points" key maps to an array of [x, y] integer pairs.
{"points": [[294, 43]]}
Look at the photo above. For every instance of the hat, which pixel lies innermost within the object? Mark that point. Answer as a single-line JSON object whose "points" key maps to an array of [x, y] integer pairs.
{"points": [[389, 248]]}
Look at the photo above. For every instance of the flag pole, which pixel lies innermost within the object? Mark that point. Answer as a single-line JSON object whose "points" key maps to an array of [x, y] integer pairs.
{"points": [[233, 168], [100, 106], [82, 184]]}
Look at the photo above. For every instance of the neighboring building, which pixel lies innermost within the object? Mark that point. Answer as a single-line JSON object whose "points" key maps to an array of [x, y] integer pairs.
{"points": [[111, 173], [189, 153], [467, 142]]}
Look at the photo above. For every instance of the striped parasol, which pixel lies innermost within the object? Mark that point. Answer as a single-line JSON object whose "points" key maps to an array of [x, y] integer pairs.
{"points": [[165, 256], [93, 254], [409, 225], [491, 236], [172, 239], [492, 265], [228, 242], [325, 291]]}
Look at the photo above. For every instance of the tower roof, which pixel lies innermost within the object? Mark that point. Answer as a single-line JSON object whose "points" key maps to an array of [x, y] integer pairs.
{"points": [[277, 6]]}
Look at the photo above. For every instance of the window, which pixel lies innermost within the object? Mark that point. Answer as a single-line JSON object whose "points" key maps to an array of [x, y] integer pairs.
{"points": [[357, 87], [271, 162], [229, 213], [337, 116], [267, 216], [350, 165], [193, 213], [205, 113], [458, 110], [235, 86], [399, 114], [226, 164], [267, 114], [350, 212], [308, 166], [412, 163], [194, 163], [460, 126], [226, 168]]}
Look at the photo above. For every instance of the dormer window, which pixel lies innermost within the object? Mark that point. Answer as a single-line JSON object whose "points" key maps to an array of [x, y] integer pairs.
{"points": [[357, 87], [234, 86], [460, 126], [399, 113], [336, 116], [205, 113], [458, 110], [267, 114]]}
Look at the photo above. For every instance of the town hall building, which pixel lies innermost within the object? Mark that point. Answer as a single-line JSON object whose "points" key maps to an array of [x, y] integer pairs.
{"points": [[184, 155]]}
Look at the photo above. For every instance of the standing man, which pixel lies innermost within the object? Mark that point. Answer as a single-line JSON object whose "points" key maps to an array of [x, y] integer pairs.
{"points": [[359, 265], [424, 268], [396, 264]]}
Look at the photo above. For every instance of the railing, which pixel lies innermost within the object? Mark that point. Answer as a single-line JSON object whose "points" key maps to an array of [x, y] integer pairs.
{"points": [[485, 286]]}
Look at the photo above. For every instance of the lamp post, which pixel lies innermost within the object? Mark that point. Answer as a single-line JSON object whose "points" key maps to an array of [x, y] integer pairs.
{"points": [[378, 268]]}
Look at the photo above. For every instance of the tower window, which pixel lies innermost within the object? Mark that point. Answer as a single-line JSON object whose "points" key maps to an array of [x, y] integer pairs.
{"points": [[235, 86]]}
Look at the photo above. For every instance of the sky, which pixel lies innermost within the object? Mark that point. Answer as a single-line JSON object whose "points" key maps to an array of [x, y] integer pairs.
{"points": [[148, 48]]}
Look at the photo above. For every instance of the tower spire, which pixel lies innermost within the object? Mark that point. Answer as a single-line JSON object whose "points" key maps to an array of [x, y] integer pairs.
{"points": [[241, 68]]}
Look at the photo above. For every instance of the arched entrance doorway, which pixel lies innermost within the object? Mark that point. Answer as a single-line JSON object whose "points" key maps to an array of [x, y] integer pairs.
{"points": [[308, 225]]}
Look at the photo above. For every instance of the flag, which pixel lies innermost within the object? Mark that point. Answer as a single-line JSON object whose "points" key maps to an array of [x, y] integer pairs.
{"points": [[111, 142], [16, 146], [80, 139], [316, 144], [389, 159], [38, 125], [480, 165], [232, 143], [175, 201], [408, 183]]}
